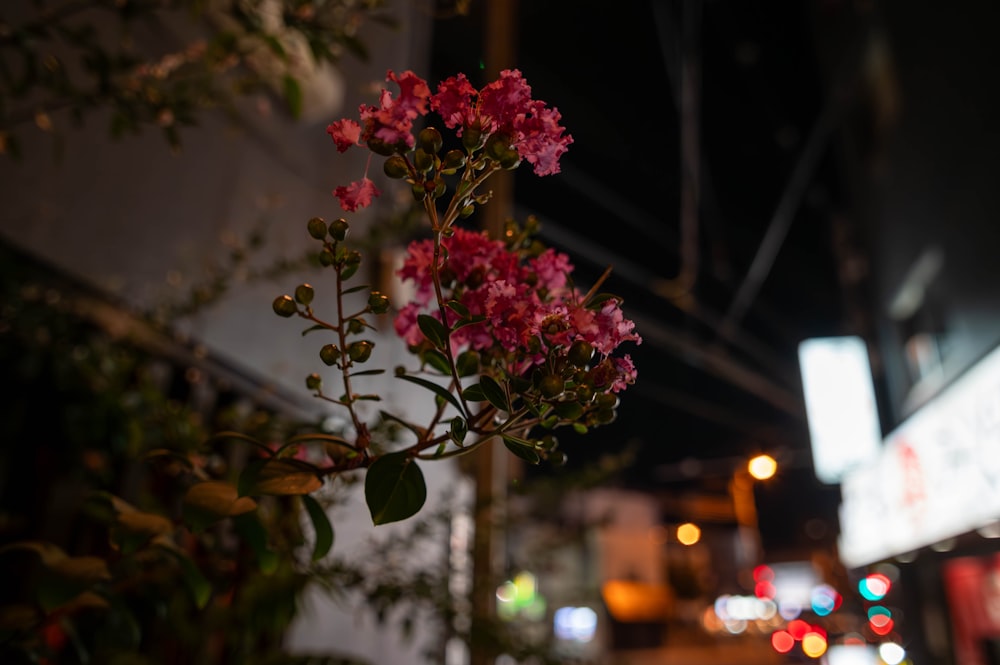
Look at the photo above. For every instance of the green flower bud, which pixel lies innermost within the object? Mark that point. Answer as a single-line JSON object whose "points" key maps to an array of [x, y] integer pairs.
{"points": [[360, 351], [329, 354], [313, 381], [396, 167], [467, 210], [351, 264], [429, 139], [380, 147], [548, 442], [472, 138], [605, 416], [580, 353], [354, 327], [557, 458], [284, 306], [551, 385], [497, 145], [317, 228], [607, 401], [453, 159], [419, 193], [304, 294], [510, 160], [338, 229], [378, 303], [440, 189], [423, 160]]}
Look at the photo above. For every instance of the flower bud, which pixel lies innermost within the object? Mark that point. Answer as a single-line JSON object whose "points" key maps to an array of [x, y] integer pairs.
{"points": [[317, 228], [580, 353], [557, 458], [396, 167], [329, 354], [551, 385], [313, 381], [467, 211], [351, 264], [378, 302], [284, 306], [453, 159], [472, 138], [304, 294], [429, 139], [355, 326], [607, 401], [497, 145], [380, 147], [326, 258], [360, 351], [419, 193], [423, 160], [510, 159], [339, 228], [605, 416]]}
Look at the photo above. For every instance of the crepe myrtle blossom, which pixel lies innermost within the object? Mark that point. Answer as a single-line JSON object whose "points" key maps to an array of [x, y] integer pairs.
{"points": [[502, 109], [528, 310]]}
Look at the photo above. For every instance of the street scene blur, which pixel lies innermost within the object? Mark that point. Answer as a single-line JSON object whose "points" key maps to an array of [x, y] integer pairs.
{"points": [[710, 362]]}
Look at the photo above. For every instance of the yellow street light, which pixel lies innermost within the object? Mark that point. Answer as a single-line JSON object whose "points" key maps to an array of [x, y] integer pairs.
{"points": [[762, 467]]}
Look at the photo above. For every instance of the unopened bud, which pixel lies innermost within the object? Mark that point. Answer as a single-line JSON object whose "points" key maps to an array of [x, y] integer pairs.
{"points": [[396, 167], [317, 228], [284, 306], [304, 294], [339, 228], [429, 139]]}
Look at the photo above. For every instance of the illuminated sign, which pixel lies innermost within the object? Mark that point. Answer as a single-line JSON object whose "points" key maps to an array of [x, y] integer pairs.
{"points": [[844, 429], [937, 476]]}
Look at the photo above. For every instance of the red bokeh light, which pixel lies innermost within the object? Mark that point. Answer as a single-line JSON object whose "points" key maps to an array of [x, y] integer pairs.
{"points": [[782, 641], [798, 628]]}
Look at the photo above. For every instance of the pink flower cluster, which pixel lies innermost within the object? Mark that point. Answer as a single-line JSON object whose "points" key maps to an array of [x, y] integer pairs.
{"points": [[503, 106], [520, 300]]}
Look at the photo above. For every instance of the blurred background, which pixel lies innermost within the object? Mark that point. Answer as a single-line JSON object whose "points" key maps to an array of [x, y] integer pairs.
{"points": [[798, 204]]}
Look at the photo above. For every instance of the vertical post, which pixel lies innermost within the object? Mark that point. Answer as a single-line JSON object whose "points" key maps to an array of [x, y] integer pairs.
{"points": [[491, 461]]}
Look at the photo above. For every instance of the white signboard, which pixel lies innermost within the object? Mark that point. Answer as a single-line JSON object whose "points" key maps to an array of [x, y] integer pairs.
{"points": [[844, 428], [937, 476]]}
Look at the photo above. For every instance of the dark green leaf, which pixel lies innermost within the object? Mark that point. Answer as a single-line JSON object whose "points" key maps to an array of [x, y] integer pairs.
{"points": [[437, 360], [359, 287], [458, 308], [394, 488], [321, 525], [293, 96], [313, 329], [419, 431], [467, 363], [459, 428], [494, 393], [248, 525], [468, 322], [433, 330], [474, 393], [199, 587], [523, 449], [438, 389], [368, 372]]}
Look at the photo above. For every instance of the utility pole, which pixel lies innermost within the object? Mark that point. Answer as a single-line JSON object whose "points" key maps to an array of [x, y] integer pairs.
{"points": [[492, 461]]}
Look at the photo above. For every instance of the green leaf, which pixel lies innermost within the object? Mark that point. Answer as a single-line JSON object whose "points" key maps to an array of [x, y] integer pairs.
{"points": [[249, 526], [368, 372], [458, 308], [523, 449], [313, 329], [322, 526], [437, 360], [293, 96], [438, 389], [433, 330], [569, 410], [469, 322], [459, 429], [359, 287], [474, 393], [196, 583], [394, 488], [212, 500], [467, 363], [416, 429], [494, 393]]}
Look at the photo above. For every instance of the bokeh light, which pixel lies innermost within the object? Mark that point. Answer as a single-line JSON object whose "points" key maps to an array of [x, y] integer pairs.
{"points": [[782, 641], [762, 467], [874, 586], [688, 534]]}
